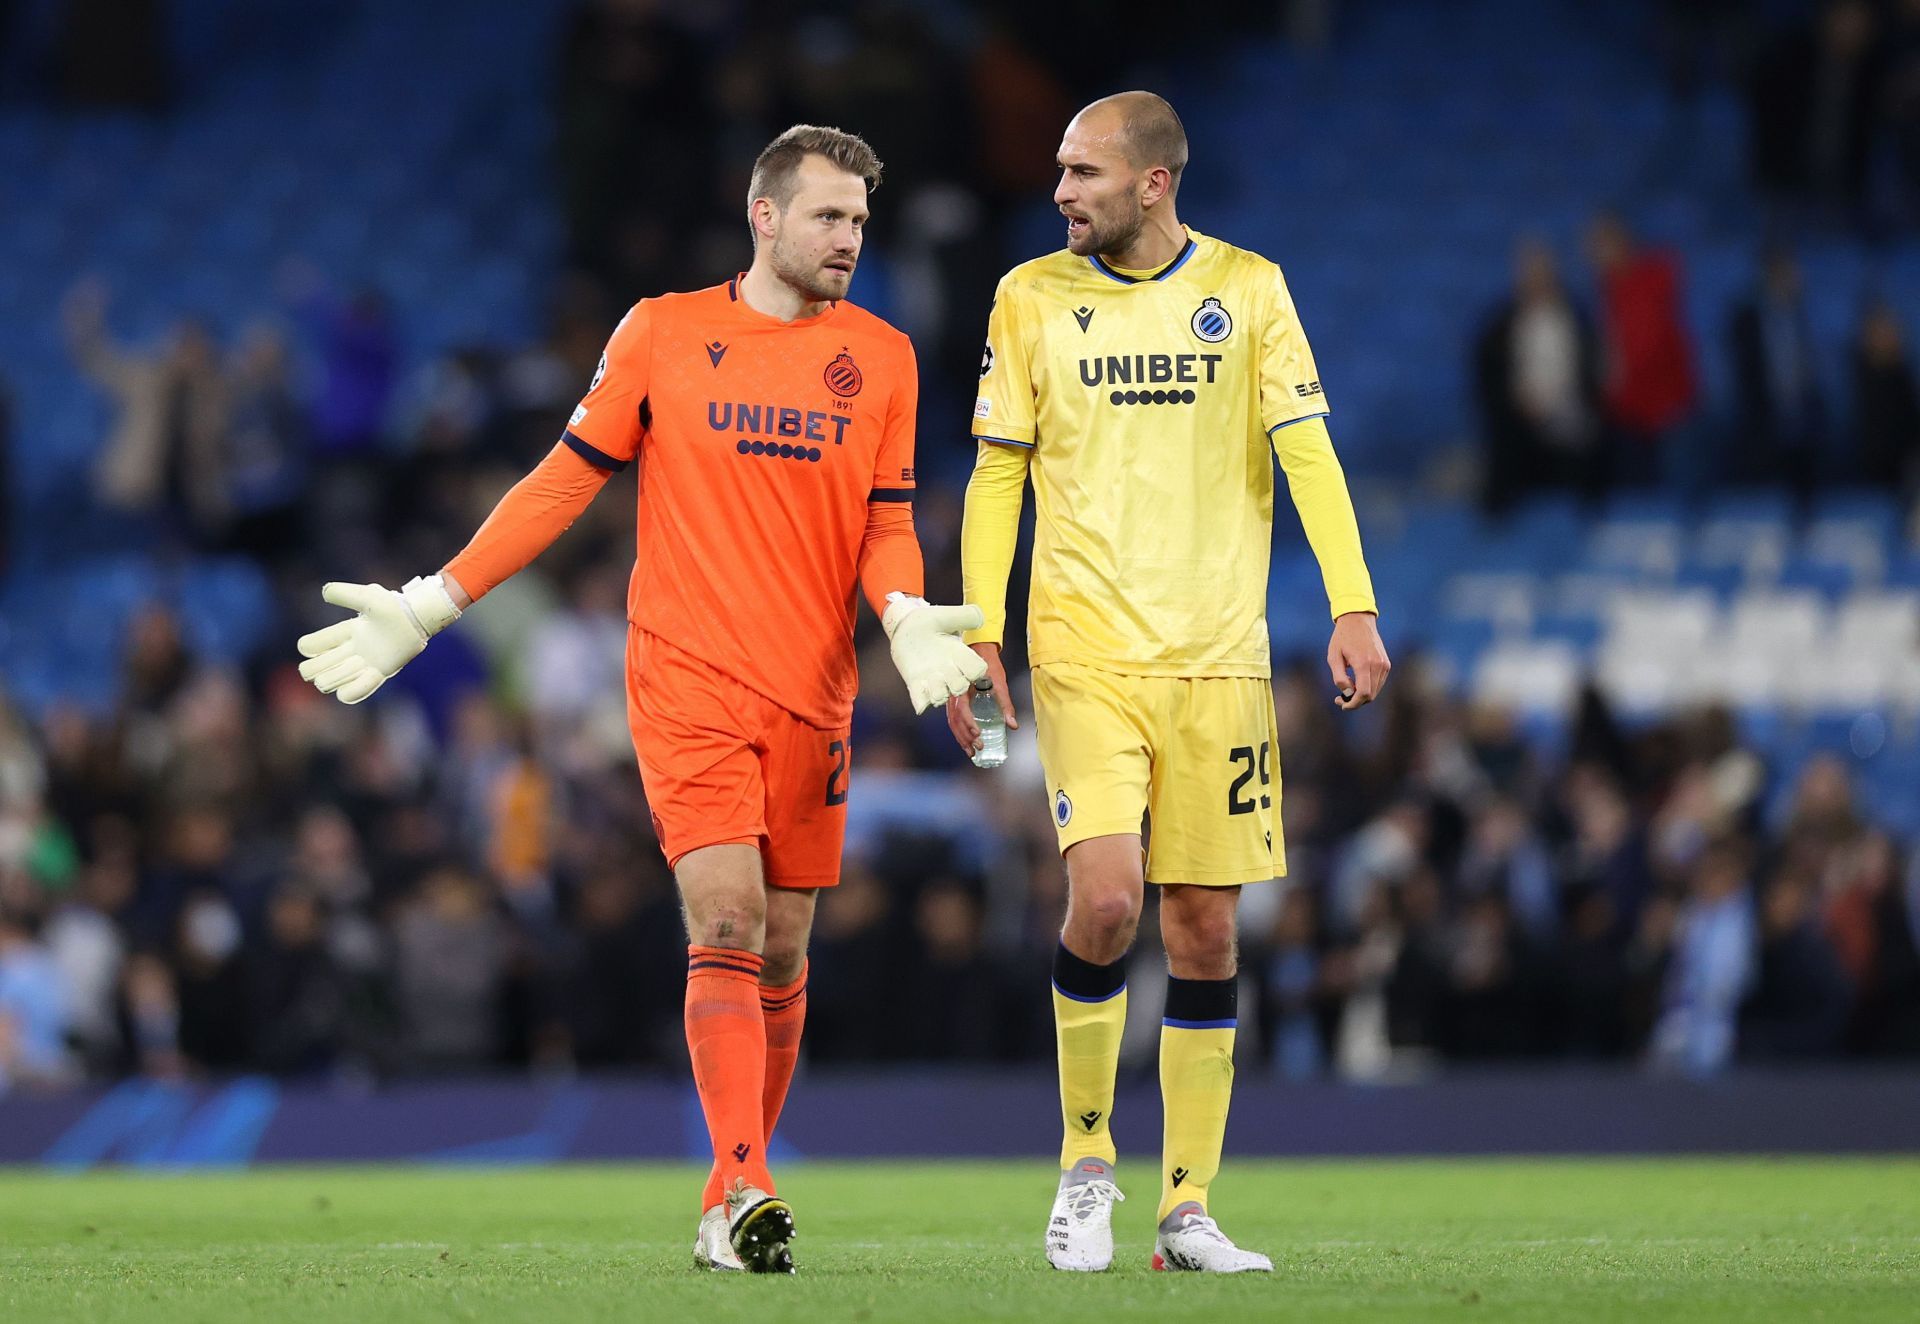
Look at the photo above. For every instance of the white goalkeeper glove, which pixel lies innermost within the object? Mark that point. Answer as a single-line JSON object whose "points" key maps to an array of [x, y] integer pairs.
{"points": [[352, 659], [927, 649]]}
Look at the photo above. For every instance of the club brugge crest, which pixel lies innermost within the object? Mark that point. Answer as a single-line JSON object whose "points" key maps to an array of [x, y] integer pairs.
{"points": [[1211, 322], [1062, 809], [843, 376], [598, 373]]}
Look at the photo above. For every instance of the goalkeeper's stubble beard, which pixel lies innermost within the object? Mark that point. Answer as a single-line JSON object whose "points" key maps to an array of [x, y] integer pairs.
{"points": [[809, 275]]}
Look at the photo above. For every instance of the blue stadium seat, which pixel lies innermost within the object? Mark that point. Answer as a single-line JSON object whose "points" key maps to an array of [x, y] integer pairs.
{"points": [[1828, 578], [1723, 581]]}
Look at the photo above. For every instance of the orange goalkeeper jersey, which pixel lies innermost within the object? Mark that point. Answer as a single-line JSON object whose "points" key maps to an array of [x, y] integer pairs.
{"points": [[762, 446]]}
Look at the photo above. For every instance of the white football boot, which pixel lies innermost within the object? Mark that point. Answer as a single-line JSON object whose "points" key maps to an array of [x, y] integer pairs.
{"points": [[1190, 1240], [1080, 1230], [759, 1226], [711, 1248]]}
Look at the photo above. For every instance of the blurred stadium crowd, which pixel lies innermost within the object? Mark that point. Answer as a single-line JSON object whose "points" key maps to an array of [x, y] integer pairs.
{"points": [[1647, 791]]}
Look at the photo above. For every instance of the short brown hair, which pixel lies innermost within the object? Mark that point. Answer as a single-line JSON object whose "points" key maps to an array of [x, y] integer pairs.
{"points": [[774, 171]]}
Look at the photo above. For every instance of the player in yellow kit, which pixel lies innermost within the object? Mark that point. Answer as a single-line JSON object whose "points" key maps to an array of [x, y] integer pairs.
{"points": [[1144, 378]]}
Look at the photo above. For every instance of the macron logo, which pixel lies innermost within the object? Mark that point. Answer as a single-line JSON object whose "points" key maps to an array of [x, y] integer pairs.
{"points": [[715, 352]]}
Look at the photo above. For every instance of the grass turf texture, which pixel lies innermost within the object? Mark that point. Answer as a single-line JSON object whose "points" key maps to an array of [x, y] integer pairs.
{"points": [[1469, 1240]]}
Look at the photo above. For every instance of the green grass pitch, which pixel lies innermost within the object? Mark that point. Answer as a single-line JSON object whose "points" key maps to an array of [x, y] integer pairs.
{"points": [[1420, 1240]]}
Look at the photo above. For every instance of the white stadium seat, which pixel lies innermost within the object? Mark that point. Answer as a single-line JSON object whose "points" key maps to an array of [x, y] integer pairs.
{"points": [[1539, 677]]}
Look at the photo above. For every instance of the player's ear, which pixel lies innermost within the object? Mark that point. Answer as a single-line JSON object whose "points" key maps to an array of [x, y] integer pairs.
{"points": [[764, 217], [1159, 181]]}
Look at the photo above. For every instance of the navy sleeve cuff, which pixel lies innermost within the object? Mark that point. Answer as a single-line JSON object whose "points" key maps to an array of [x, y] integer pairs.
{"points": [[891, 494], [592, 454]]}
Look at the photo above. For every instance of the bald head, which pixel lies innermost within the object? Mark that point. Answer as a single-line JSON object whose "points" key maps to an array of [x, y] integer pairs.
{"points": [[1120, 162], [1144, 128]]}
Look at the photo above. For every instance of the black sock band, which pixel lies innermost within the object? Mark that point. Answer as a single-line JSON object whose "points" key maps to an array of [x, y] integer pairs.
{"points": [[1201, 1004], [1083, 981]]}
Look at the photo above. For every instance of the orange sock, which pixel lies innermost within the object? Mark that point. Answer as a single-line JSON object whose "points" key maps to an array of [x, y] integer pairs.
{"points": [[727, 1040], [785, 1011]]}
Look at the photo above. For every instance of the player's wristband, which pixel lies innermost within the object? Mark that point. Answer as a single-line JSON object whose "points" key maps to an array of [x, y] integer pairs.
{"points": [[898, 605], [429, 605]]}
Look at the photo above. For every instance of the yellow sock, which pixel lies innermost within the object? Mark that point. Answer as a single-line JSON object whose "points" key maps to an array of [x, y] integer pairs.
{"points": [[1089, 1013], [1196, 1085]]}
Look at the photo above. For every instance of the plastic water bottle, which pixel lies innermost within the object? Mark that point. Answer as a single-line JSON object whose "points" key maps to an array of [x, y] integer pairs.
{"points": [[993, 727]]}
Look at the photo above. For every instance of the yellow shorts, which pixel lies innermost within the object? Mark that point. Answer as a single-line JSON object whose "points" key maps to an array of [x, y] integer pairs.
{"points": [[1197, 756]]}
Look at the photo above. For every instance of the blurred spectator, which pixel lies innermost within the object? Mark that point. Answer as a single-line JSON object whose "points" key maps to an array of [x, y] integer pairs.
{"points": [[450, 953], [1382, 854], [1902, 97], [1813, 111], [1536, 379], [194, 860], [1411, 921], [521, 814], [157, 665], [1711, 967], [296, 995], [1887, 404], [579, 655], [544, 380], [453, 405], [355, 352], [33, 1011], [1492, 1001], [266, 451], [1782, 417], [950, 996], [1505, 858], [850, 968], [326, 862], [483, 756], [630, 114], [1800, 993], [1366, 973], [1871, 921], [153, 1019], [211, 984], [1296, 1000], [166, 452], [1823, 817], [1591, 1007], [83, 936], [626, 983], [359, 360], [1648, 374], [1606, 851], [1022, 103]]}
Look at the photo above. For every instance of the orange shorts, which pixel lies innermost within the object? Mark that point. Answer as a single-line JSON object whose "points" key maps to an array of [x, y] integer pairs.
{"points": [[723, 764]]}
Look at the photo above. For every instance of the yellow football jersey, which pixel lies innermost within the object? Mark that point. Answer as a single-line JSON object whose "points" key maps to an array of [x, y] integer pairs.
{"points": [[1151, 405]]}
